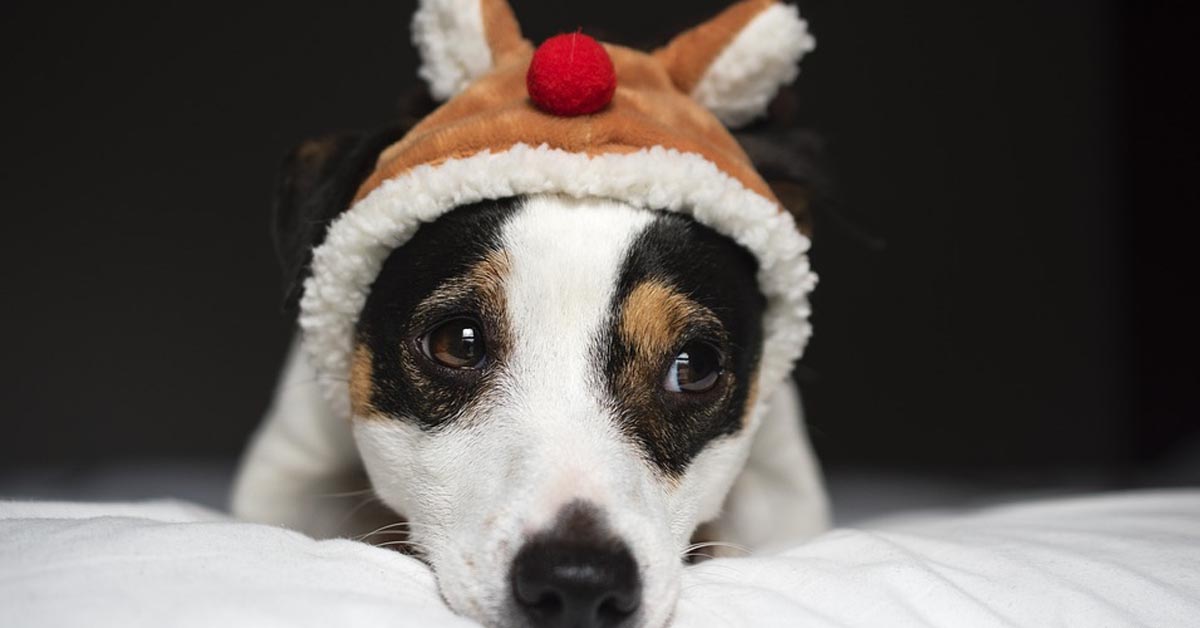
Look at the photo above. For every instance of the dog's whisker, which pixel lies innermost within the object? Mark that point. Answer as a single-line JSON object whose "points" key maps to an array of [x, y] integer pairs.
{"points": [[363, 491], [392, 543], [394, 531], [399, 527], [699, 546], [385, 533], [353, 511], [390, 526], [396, 524], [407, 546]]}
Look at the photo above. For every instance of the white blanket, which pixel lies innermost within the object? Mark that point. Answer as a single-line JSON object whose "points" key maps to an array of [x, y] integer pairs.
{"points": [[1117, 560]]}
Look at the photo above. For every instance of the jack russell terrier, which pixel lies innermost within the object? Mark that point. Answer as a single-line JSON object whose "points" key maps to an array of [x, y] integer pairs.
{"points": [[554, 320]]}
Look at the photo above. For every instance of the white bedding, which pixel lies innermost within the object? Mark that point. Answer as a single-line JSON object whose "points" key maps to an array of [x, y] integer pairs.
{"points": [[1117, 560]]}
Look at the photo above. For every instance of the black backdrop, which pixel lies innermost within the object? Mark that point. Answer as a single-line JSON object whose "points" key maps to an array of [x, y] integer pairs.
{"points": [[1025, 163]]}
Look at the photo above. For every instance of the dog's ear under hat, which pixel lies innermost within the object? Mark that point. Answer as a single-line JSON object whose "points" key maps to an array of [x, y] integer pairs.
{"points": [[316, 182], [791, 159]]}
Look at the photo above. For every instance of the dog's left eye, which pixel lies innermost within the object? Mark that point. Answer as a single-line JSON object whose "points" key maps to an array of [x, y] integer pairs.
{"points": [[695, 369], [456, 344]]}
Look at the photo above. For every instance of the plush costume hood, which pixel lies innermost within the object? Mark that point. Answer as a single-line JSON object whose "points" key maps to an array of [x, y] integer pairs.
{"points": [[661, 143]]}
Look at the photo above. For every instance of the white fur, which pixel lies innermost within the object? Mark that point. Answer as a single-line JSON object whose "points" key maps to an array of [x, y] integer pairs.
{"points": [[779, 496], [764, 56], [547, 437], [298, 457], [450, 37]]}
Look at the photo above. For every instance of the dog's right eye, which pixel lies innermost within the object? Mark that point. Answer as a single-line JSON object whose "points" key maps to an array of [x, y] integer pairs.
{"points": [[696, 369], [456, 344]]}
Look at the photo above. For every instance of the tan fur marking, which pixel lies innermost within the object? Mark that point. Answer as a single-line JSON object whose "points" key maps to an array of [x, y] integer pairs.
{"points": [[486, 278], [489, 275], [653, 315], [361, 382]]}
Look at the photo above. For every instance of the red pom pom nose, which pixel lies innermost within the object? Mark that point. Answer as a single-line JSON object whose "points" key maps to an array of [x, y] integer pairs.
{"points": [[571, 75]]}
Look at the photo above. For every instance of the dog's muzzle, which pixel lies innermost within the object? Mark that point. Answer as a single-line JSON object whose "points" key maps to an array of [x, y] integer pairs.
{"points": [[576, 573]]}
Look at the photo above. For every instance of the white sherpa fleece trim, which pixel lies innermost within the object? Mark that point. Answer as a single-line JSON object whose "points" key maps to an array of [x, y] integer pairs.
{"points": [[453, 46], [359, 241], [764, 56]]}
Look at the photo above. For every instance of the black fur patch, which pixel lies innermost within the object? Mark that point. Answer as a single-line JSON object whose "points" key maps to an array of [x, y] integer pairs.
{"points": [[719, 275], [405, 384], [791, 159], [317, 182]]}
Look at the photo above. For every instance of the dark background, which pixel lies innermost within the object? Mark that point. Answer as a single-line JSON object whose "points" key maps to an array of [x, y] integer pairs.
{"points": [[1029, 165]]}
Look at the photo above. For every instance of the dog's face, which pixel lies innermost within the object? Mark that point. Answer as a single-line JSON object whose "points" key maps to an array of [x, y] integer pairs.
{"points": [[555, 393]]}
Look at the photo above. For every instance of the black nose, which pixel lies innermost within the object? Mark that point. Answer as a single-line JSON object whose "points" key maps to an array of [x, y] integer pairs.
{"points": [[576, 574]]}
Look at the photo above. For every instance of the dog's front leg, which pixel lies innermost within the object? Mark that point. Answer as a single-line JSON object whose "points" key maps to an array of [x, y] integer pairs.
{"points": [[779, 499], [301, 462]]}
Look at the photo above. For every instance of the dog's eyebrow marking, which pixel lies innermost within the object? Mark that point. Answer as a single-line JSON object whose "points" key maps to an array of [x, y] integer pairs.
{"points": [[655, 314], [483, 282], [481, 289]]}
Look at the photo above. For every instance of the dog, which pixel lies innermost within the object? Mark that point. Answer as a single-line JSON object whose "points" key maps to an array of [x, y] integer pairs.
{"points": [[554, 393]]}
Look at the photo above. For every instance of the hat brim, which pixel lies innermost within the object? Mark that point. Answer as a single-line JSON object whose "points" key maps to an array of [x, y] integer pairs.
{"points": [[358, 243]]}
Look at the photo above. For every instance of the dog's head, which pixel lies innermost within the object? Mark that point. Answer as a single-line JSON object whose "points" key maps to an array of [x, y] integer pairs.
{"points": [[553, 384], [564, 387]]}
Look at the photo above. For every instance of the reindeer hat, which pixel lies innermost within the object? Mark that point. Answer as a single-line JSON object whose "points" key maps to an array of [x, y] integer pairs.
{"points": [[579, 119]]}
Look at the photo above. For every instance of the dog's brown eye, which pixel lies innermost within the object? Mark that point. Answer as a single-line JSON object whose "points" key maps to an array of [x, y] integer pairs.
{"points": [[696, 369], [456, 344]]}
